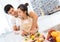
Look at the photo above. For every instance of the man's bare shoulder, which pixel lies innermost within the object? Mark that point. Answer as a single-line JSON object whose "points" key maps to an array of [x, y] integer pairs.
{"points": [[32, 13]]}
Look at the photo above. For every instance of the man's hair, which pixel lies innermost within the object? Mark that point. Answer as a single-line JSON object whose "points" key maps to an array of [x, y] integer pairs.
{"points": [[7, 8]]}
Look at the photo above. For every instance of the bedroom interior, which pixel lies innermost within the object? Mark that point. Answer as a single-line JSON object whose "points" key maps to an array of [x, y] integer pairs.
{"points": [[48, 12]]}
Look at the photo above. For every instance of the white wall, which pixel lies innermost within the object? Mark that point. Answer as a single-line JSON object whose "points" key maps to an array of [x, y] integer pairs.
{"points": [[3, 22], [59, 2]]}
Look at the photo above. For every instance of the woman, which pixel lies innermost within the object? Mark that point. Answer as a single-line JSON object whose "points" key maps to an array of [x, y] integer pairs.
{"points": [[25, 21]]}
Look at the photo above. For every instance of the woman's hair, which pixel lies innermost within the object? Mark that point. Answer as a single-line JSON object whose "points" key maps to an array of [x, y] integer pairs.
{"points": [[7, 7], [24, 7]]}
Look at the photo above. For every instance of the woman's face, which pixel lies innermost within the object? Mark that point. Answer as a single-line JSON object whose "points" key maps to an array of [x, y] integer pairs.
{"points": [[21, 13], [13, 12]]}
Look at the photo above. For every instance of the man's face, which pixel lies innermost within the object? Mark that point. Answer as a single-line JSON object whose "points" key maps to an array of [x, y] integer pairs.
{"points": [[13, 12]]}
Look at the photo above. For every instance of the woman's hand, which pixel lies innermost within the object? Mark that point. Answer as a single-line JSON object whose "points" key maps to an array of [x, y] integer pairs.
{"points": [[24, 33], [15, 28]]}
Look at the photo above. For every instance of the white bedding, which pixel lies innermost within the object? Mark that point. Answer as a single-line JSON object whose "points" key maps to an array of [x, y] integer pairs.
{"points": [[45, 22]]}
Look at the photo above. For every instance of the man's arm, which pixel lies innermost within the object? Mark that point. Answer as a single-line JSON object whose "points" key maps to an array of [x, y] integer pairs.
{"points": [[34, 16]]}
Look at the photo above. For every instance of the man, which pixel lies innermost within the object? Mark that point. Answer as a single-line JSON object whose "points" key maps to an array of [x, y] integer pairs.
{"points": [[10, 10]]}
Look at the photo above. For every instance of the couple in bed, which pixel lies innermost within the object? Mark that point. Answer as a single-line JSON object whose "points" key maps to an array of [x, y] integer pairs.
{"points": [[22, 20]]}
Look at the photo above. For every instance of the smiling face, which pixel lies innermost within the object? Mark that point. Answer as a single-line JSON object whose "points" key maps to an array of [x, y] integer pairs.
{"points": [[13, 12], [21, 13]]}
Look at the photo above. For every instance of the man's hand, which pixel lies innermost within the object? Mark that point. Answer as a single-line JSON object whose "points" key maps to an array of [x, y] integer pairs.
{"points": [[15, 28], [33, 30]]}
